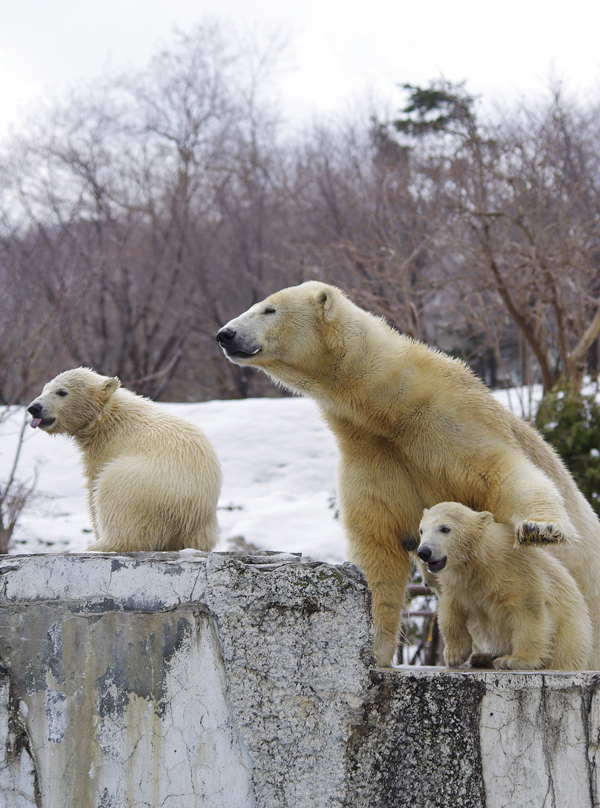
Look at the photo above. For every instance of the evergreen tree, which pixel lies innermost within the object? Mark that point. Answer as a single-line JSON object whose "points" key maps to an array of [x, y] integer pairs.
{"points": [[571, 423]]}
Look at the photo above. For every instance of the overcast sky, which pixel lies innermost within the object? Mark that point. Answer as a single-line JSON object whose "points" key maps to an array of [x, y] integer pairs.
{"points": [[339, 49]]}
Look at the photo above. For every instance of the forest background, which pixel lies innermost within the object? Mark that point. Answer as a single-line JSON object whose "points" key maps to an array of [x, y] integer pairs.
{"points": [[144, 210]]}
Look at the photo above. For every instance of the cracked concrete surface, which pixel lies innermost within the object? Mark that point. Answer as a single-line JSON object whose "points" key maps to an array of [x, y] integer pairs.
{"points": [[539, 740], [228, 680]]}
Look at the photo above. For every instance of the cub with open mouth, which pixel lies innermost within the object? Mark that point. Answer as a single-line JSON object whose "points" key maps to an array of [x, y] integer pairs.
{"points": [[509, 607], [153, 478]]}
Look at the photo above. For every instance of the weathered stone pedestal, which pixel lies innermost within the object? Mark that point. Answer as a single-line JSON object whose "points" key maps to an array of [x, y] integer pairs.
{"points": [[199, 680]]}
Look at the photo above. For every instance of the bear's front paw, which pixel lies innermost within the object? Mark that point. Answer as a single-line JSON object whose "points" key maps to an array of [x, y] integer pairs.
{"points": [[512, 663], [455, 655], [541, 533]]}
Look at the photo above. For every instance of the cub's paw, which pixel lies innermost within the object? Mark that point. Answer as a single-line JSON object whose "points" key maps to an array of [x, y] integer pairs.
{"points": [[481, 661], [542, 533], [513, 663], [455, 656]]}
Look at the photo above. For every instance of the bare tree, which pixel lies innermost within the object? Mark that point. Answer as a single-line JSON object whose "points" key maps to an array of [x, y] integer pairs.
{"points": [[522, 205], [145, 210], [149, 198], [361, 222]]}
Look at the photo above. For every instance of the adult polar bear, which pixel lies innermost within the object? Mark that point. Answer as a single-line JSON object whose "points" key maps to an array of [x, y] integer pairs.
{"points": [[414, 428]]}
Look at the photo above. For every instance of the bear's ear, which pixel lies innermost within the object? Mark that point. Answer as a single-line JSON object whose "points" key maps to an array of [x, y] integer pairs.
{"points": [[485, 518], [325, 301], [110, 385]]}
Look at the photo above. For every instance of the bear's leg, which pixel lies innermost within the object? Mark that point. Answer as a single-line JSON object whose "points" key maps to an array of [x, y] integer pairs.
{"points": [[380, 511], [530, 639], [124, 520], [453, 625], [387, 570], [573, 633], [205, 534], [533, 505]]}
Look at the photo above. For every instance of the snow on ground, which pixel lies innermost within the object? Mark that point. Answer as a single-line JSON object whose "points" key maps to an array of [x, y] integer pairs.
{"points": [[278, 459]]}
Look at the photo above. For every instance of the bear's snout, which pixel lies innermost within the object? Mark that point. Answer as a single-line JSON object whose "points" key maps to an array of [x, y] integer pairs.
{"points": [[225, 336], [425, 553], [235, 345], [35, 409]]}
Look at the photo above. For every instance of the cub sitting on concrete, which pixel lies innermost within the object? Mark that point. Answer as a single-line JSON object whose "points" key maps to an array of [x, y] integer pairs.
{"points": [[414, 428], [153, 479], [514, 607]]}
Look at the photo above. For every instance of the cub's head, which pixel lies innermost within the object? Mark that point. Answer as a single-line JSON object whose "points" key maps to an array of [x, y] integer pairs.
{"points": [[447, 534], [288, 335], [71, 401]]}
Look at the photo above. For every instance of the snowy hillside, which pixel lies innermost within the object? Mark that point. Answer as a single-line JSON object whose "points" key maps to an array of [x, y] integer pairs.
{"points": [[278, 461]]}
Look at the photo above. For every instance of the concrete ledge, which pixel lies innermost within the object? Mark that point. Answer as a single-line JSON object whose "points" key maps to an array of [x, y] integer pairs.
{"points": [[229, 680], [432, 737]]}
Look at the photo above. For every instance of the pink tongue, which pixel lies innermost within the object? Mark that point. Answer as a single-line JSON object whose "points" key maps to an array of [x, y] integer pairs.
{"points": [[35, 422]]}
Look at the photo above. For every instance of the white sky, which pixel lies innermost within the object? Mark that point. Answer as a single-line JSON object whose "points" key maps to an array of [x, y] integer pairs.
{"points": [[340, 49]]}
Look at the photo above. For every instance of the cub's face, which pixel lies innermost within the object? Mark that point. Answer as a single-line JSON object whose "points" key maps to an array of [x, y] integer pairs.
{"points": [[433, 547], [71, 401], [445, 532], [284, 331]]}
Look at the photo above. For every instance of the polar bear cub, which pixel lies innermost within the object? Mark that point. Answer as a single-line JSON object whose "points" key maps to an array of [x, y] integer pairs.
{"points": [[514, 607], [153, 479]]}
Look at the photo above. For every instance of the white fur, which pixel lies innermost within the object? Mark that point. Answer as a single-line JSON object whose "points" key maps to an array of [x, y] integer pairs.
{"points": [[153, 479], [513, 607], [414, 427]]}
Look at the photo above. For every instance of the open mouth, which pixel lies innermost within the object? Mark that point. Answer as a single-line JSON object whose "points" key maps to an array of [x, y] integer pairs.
{"points": [[241, 354], [436, 566], [41, 422]]}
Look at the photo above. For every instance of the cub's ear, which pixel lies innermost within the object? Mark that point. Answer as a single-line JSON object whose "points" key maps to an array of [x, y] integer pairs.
{"points": [[485, 518], [110, 385]]}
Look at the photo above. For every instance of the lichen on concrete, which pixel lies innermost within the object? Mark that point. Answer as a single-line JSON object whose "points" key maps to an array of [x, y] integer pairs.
{"points": [[19, 777], [418, 743]]}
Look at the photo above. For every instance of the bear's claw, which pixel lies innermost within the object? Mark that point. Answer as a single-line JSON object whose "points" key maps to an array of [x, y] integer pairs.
{"points": [[512, 663], [540, 533]]}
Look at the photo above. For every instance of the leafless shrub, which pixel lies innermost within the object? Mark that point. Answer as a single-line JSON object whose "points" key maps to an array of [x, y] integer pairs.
{"points": [[14, 496]]}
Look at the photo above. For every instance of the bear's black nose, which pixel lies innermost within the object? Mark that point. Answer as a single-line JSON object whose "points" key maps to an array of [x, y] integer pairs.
{"points": [[225, 335], [424, 553], [35, 409]]}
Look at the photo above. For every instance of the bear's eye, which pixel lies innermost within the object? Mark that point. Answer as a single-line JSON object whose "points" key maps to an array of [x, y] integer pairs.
{"points": [[420, 531], [444, 529], [62, 393], [269, 310]]}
